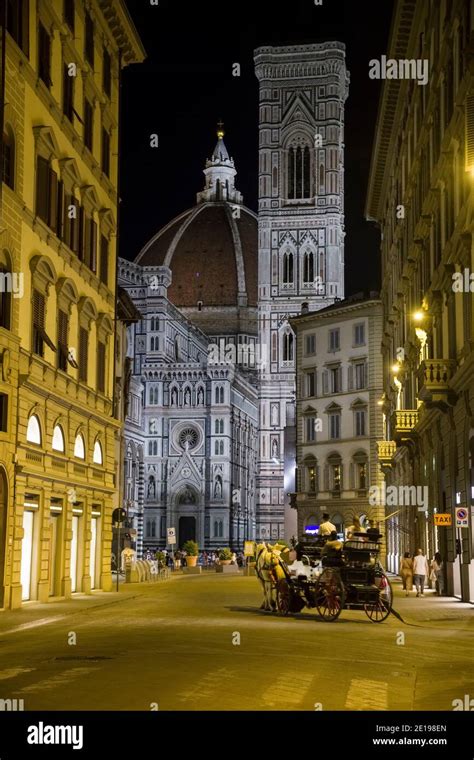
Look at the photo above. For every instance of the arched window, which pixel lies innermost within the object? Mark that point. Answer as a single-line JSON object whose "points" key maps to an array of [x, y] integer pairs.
{"points": [[274, 347], [79, 448], [221, 426], [177, 355], [216, 427], [155, 397], [216, 447], [288, 268], [308, 268], [221, 447], [58, 439], [6, 275], [221, 528], [33, 431], [9, 157], [288, 347], [97, 456], [299, 170]]}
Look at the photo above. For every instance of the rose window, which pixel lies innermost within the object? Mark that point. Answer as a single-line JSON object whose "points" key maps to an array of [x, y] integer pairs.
{"points": [[188, 438]]}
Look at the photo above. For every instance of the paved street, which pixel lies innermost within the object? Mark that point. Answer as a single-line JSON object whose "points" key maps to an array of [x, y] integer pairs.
{"points": [[171, 643]]}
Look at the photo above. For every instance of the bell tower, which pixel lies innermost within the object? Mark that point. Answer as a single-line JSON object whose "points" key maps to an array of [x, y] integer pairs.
{"points": [[302, 90]]}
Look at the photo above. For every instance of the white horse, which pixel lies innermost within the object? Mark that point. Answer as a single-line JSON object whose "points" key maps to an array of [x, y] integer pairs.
{"points": [[269, 571]]}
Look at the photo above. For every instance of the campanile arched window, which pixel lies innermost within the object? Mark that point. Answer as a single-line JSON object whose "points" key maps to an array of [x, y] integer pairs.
{"points": [[288, 268], [299, 169], [308, 267]]}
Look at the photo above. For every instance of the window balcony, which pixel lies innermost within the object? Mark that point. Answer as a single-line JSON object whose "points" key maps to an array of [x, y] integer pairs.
{"points": [[404, 422], [434, 376], [386, 452]]}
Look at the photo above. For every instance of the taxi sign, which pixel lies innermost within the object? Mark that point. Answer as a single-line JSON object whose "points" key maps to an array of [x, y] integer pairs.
{"points": [[443, 518], [461, 517], [249, 550]]}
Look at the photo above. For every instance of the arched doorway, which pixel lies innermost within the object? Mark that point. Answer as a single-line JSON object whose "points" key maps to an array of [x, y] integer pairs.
{"points": [[3, 530], [187, 505], [187, 530]]}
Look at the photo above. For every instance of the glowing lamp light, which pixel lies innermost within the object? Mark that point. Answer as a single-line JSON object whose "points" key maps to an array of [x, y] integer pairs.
{"points": [[395, 369], [418, 316]]}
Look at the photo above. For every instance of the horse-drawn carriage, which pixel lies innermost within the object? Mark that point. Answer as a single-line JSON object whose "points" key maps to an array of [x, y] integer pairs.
{"points": [[333, 580]]}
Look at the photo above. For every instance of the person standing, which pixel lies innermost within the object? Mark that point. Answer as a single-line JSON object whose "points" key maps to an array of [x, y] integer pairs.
{"points": [[436, 574], [420, 572], [406, 573], [326, 527]]}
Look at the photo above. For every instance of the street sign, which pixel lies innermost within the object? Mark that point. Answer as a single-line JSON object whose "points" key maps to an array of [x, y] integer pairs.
{"points": [[443, 518], [171, 536], [461, 518], [249, 549], [118, 515]]}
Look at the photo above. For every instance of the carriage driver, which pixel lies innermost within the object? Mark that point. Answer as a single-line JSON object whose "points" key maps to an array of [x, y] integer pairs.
{"points": [[326, 527], [333, 544]]}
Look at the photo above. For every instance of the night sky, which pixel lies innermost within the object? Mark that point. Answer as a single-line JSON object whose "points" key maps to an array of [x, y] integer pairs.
{"points": [[185, 85]]}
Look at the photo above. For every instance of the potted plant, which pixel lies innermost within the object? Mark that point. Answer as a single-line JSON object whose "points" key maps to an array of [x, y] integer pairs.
{"points": [[160, 559], [225, 556], [192, 551]]}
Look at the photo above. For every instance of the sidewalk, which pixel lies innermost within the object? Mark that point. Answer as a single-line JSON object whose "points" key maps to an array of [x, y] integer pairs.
{"points": [[430, 608]]}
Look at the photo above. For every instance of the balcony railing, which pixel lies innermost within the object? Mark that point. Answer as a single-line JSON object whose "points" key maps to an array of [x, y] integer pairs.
{"points": [[386, 451], [434, 376], [404, 422]]}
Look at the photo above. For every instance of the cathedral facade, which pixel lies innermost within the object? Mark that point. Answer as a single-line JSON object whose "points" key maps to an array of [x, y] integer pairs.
{"points": [[191, 427], [301, 241]]}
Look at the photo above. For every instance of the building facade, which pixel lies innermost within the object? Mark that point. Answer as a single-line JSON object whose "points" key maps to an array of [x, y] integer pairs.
{"points": [[191, 430], [301, 240], [58, 224], [420, 194], [339, 417]]}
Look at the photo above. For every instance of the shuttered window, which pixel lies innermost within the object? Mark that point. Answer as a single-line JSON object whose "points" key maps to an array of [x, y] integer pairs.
{"points": [[104, 260], [5, 300], [101, 367], [469, 125], [92, 262], [17, 22], [83, 353], [42, 189], [89, 39], [63, 324], [38, 323], [82, 236], [88, 125], [107, 74], [105, 152], [53, 200], [44, 56], [69, 13], [60, 211], [68, 93]]}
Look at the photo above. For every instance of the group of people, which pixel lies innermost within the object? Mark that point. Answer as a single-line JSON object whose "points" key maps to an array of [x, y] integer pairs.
{"points": [[416, 570], [353, 532]]}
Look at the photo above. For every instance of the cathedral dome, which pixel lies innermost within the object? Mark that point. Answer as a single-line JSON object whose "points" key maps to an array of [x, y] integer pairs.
{"points": [[212, 251]]}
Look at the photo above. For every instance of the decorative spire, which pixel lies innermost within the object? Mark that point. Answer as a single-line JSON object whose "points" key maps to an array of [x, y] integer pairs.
{"points": [[220, 174]]}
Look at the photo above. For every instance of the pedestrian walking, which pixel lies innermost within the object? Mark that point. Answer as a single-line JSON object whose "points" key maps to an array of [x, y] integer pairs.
{"points": [[420, 572], [437, 573], [406, 573]]}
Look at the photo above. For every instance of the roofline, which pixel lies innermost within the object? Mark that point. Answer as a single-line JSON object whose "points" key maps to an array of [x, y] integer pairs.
{"points": [[330, 311], [402, 37], [124, 30]]}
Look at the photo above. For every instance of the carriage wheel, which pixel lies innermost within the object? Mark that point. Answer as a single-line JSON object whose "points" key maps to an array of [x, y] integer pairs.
{"points": [[283, 596], [329, 595], [380, 610]]}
